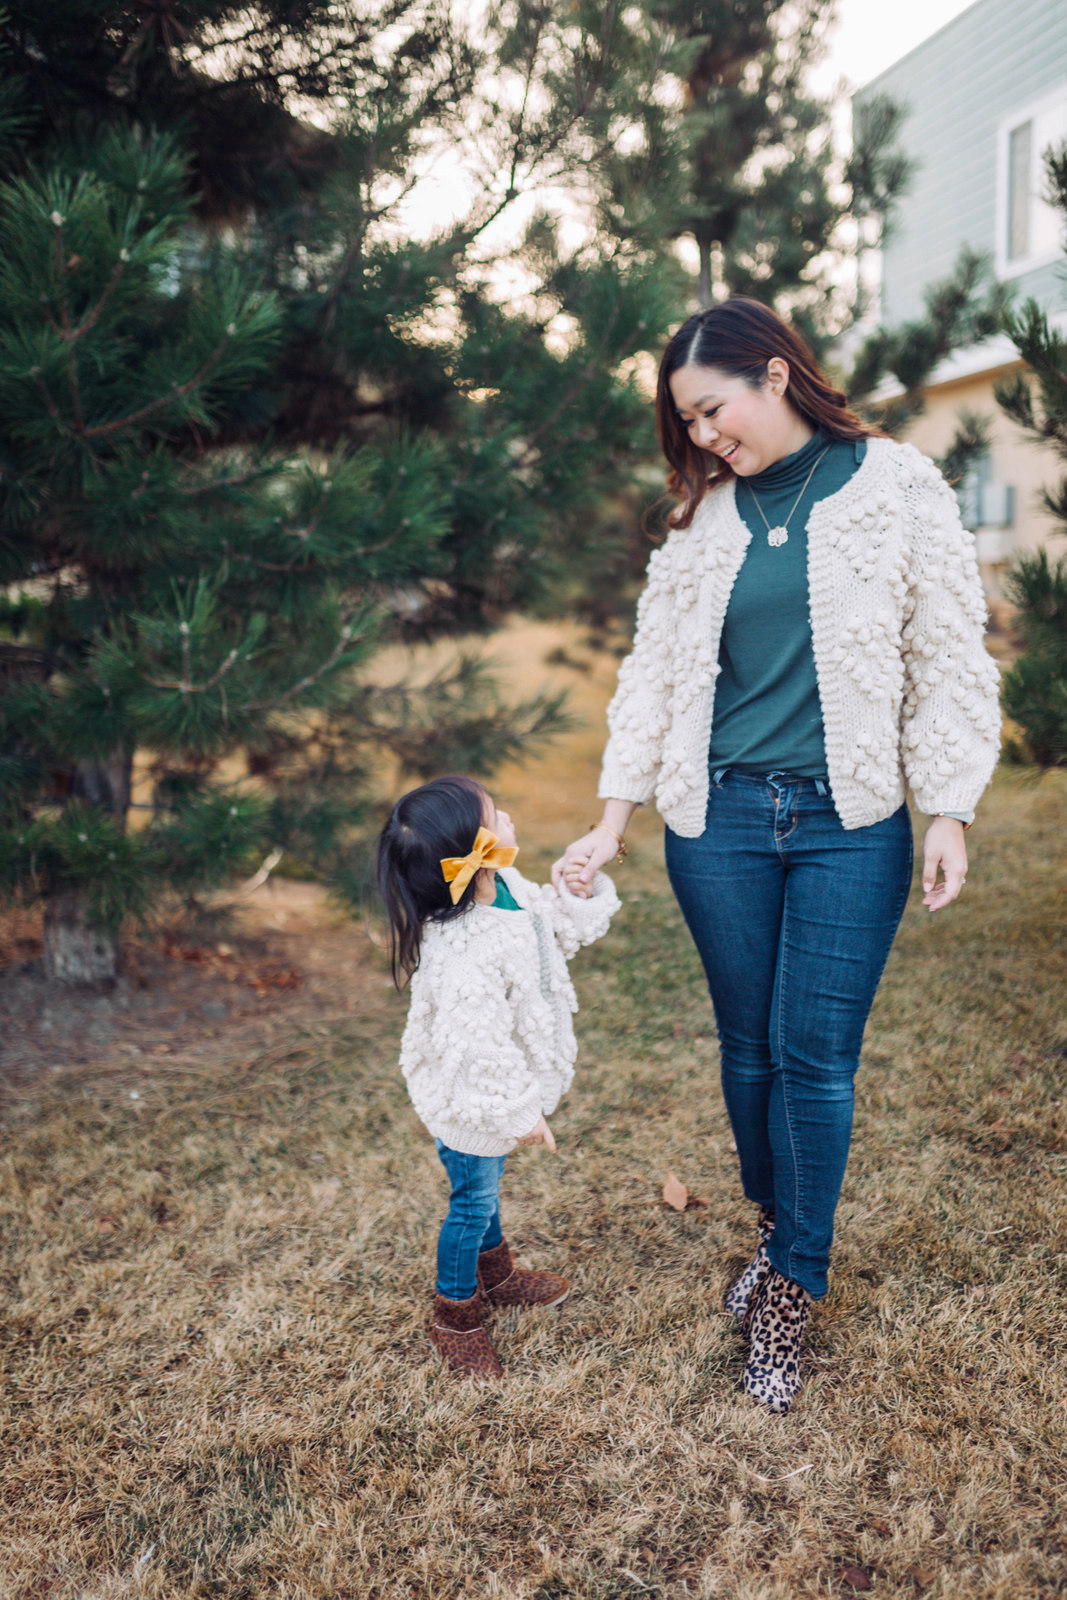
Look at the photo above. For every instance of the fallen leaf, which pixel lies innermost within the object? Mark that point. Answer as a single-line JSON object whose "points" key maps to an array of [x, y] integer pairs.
{"points": [[675, 1194], [855, 1577], [106, 1225], [922, 1577], [287, 978]]}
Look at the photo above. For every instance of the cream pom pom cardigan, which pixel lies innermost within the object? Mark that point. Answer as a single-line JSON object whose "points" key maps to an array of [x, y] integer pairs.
{"points": [[909, 694], [489, 1043]]}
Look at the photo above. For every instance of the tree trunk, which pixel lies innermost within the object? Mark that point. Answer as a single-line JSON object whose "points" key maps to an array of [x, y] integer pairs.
{"points": [[77, 950], [704, 294], [106, 784]]}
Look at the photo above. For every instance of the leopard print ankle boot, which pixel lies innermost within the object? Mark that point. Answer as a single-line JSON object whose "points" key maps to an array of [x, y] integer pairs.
{"points": [[774, 1325], [738, 1296], [504, 1284], [457, 1335]]}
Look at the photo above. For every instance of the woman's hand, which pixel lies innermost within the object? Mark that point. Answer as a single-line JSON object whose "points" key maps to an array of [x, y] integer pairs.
{"points": [[944, 850], [582, 860], [540, 1133]]}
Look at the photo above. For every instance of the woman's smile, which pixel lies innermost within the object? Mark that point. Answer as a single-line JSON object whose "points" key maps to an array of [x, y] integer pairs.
{"points": [[710, 404]]}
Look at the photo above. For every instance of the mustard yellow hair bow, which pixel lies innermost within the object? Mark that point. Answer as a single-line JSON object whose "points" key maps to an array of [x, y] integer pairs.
{"points": [[459, 870]]}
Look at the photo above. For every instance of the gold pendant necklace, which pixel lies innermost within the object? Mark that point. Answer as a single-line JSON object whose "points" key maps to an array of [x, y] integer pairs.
{"points": [[778, 536]]}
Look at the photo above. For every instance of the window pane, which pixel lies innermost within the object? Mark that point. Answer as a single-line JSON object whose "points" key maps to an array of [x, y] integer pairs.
{"points": [[969, 489], [1019, 148], [1046, 222]]}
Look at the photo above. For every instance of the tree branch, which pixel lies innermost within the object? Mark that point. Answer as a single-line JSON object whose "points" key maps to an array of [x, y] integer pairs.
{"points": [[310, 678], [178, 390], [186, 684]]}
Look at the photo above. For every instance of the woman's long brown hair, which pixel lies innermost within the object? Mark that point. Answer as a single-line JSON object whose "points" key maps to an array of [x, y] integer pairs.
{"points": [[740, 337]]}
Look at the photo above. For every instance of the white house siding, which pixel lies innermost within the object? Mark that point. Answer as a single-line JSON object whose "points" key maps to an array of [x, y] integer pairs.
{"points": [[997, 57], [961, 89]]}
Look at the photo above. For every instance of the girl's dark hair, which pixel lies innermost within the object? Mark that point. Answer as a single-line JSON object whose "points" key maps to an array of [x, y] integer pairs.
{"points": [[439, 819], [740, 337]]}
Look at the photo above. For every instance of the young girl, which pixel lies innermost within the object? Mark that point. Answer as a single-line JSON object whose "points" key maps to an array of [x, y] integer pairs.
{"points": [[489, 1047]]}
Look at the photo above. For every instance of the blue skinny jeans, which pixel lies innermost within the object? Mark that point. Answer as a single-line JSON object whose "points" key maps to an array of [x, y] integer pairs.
{"points": [[473, 1221], [793, 916]]}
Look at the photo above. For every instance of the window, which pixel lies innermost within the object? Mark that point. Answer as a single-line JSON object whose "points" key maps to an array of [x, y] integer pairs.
{"points": [[969, 489], [1029, 230], [1020, 145], [987, 509]]}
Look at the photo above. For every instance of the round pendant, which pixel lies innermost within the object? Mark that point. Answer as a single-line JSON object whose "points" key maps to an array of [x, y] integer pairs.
{"points": [[777, 536]]}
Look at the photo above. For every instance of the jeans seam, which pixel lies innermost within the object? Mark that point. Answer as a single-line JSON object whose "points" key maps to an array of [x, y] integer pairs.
{"points": [[797, 1186]]}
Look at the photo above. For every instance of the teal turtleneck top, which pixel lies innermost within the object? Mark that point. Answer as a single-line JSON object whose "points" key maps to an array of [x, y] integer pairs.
{"points": [[505, 900], [766, 714]]}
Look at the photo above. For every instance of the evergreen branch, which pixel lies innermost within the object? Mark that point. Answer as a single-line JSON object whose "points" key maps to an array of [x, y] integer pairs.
{"points": [[258, 562], [93, 317], [177, 393], [545, 179], [66, 333], [520, 125], [586, 375], [213, 485], [185, 684], [307, 681], [294, 565], [50, 405]]}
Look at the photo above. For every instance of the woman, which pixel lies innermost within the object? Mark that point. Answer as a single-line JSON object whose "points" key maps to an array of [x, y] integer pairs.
{"points": [[809, 645]]}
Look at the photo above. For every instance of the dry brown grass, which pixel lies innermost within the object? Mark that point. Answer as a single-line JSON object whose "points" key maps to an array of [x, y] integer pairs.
{"points": [[216, 1380]]}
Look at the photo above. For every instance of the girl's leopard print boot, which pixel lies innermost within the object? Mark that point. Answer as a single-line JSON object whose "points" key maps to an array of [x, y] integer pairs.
{"points": [[774, 1325], [457, 1335], [504, 1284], [737, 1297]]}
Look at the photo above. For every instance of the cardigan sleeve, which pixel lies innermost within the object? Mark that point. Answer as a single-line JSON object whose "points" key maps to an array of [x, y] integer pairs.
{"points": [[950, 719], [482, 1078], [638, 715], [575, 921]]}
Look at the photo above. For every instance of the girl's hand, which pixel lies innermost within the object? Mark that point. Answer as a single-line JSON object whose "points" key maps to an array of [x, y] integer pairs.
{"points": [[943, 849], [582, 860], [541, 1133]]}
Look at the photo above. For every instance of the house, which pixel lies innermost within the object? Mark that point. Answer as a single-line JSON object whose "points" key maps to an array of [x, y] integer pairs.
{"points": [[985, 97]]}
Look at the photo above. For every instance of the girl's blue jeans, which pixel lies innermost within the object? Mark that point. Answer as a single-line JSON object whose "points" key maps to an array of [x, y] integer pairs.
{"points": [[793, 916], [473, 1221]]}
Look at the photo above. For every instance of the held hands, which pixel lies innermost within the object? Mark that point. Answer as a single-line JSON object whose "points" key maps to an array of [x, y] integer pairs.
{"points": [[540, 1133], [943, 850], [582, 860]]}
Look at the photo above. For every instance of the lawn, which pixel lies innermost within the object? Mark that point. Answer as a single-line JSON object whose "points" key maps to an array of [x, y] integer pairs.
{"points": [[216, 1379]]}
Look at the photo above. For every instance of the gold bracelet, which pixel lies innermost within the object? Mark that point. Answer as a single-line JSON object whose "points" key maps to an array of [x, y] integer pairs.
{"points": [[619, 840]]}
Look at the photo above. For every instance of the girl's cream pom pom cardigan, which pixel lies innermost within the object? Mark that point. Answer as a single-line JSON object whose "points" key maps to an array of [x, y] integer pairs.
{"points": [[489, 1045], [909, 694]]}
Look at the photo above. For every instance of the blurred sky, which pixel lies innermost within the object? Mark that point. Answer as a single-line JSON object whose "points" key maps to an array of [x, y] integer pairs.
{"points": [[871, 34]]}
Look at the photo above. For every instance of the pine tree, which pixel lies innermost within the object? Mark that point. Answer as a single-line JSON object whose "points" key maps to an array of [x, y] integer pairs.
{"points": [[257, 419], [250, 432], [746, 169], [1035, 687]]}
